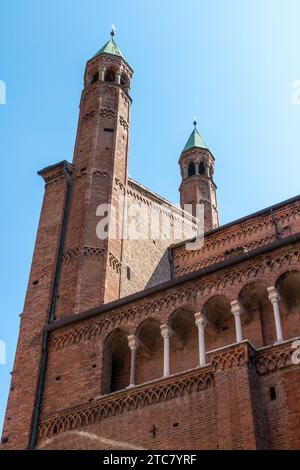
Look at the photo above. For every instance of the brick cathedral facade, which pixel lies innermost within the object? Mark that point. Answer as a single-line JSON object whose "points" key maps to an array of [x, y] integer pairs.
{"points": [[147, 344]]}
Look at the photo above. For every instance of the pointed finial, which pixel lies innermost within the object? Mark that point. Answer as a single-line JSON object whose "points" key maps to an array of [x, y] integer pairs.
{"points": [[194, 121], [113, 31]]}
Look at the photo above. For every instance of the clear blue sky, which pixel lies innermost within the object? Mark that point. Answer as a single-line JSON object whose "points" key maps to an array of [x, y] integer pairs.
{"points": [[231, 63]]}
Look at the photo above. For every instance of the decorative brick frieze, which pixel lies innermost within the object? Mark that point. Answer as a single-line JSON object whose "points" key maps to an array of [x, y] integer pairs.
{"points": [[86, 117], [175, 297], [107, 113], [123, 123], [239, 234], [231, 357], [114, 263], [184, 269], [272, 358], [70, 255], [127, 400], [91, 252]]}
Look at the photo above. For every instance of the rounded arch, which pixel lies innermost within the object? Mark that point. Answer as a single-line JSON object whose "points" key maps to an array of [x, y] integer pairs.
{"points": [[184, 340], [191, 169], [288, 285], [116, 362], [217, 310], [258, 321], [110, 75], [148, 332], [181, 321], [149, 356], [220, 328]]}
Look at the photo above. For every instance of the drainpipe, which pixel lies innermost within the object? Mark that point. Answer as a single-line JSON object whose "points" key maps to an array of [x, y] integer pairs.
{"points": [[51, 316]]}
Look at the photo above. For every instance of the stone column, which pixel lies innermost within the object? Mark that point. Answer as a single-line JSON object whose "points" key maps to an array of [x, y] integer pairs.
{"points": [[166, 334], [206, 169], [236, 310], [118, 78], [185, 171], [133, 345], [201, 324], [274, 299], [102, 75], [197, 168]]}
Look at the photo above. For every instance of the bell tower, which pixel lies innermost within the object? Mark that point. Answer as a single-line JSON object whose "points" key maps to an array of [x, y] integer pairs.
{"points": [[197, 186], [91, 273]]}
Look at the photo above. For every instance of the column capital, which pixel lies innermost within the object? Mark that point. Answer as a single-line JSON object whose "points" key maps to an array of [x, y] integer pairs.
{"points": [[133, 342], [200, 320], [273, 294], [165, 331], [236, 308]]}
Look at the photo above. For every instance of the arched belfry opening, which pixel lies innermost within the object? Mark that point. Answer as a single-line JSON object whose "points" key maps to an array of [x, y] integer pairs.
{"points": [[191, 169], [110, 75]]}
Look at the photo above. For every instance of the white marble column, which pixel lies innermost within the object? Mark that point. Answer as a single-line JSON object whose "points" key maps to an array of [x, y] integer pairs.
{"points": [[201, 324], [166, 334], [133, 345], [236, 310], [274, 299], [118, 78]]}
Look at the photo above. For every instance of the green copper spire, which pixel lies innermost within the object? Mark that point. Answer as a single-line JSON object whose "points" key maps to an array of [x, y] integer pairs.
{"points": [[195, 140], [111, 47]]}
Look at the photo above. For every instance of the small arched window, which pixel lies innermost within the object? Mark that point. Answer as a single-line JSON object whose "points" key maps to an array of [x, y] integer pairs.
{"points": [[191, 169], [95, 78], [201, 168], [110, 75]]}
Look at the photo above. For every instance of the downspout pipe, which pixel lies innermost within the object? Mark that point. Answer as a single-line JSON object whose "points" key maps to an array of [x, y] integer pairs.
{"points": [[51, 316]]}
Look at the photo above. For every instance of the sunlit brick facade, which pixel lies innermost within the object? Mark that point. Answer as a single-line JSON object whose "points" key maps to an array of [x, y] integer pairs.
{"points": [[147, 344]]}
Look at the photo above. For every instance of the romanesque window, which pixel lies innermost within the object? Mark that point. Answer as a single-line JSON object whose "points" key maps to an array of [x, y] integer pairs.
{"points": [[201, 168], [95, 78], [110, 75], [191, 169]]}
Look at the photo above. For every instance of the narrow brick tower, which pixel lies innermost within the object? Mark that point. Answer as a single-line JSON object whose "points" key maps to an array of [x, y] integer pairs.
{"points": [[197, 186], [100, 160]]}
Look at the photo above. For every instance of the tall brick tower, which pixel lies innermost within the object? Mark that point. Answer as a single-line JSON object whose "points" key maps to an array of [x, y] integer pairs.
{"points": [[197, 186], [72, 269], [100, 159]]}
